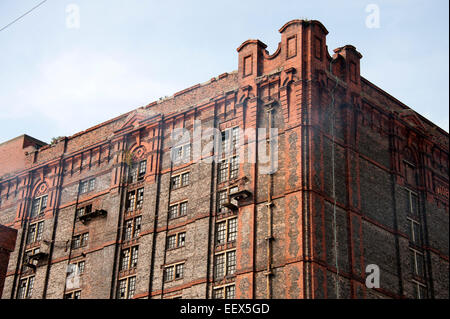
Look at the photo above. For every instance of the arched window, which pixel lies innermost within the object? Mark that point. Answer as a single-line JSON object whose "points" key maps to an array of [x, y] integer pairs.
{"points": [[138, 166]]}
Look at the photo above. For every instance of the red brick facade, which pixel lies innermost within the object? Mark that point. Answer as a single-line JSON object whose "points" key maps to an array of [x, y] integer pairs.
{"points": [[389, 200], [14, 153], [7, 245]]}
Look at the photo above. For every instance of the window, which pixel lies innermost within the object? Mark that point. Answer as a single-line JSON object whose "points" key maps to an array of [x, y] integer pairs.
{"points": [[228, 169], [174, 272], [410, 174], [137, 171], [223, 197], [27, 260], [38, 206], [181, 153], [87, 186], [226, 141], [25, 290], [185, 179], [35, 232], [78, 267], [180, 180], [226, 231], [230, 292], [124, 259], [168, 273], [183, 208], [131, 287], [140, 198], [417, 263], [234, 167], [235, 137], [134, 256], [414, 229], [218, 293], [221, 233], [76, 242], [80, 240], [225, 292], [171, 241], [176, 240], [232, 229], [73, 295], [230, 140], [142, 169], [129, 258], [179, 269], [81, 211], [126, 288], [225, 264], [177, 210], [132, 175], [83, 187], [81, 266], [173, 211], [122, 289], [91, 185], [131, 200], [176, 182], [220, 266], [128, 229], [132, 228], [420, 290], [413, 203], [84, 239], [132, 204], [231, 262], [181, 239], [223, 171]]}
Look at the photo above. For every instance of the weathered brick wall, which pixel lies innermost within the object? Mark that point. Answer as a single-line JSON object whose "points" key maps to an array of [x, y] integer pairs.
{"points": [[285, 249], [7, 244], [17, 148]]}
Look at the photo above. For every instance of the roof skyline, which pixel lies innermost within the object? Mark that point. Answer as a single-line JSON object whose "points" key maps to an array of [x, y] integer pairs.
{"points": [[83, 83]]}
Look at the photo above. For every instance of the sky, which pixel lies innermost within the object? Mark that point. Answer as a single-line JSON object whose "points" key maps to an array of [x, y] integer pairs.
{"points": [[69, 65]]}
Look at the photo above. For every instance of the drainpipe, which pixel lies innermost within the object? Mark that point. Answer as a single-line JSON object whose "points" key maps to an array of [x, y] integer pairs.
{"points": [[269, 204]]}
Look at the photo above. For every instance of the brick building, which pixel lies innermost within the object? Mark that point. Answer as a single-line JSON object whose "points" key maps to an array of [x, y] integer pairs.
{"points": [[7, 245], [360, 179]]}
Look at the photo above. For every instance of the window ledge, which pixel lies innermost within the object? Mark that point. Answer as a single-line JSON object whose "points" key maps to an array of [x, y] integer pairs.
{"points": [[130, 242], [127, 272], [173, 280], [175, 218], [225, 246], [175, 248]]}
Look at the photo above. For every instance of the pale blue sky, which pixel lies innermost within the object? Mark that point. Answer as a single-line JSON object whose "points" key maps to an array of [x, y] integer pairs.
{"points": [[57, 81]]}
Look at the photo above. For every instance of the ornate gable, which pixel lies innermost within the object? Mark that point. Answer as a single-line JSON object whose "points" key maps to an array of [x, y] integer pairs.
{"points": [[135, 119], [411, 118]]}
